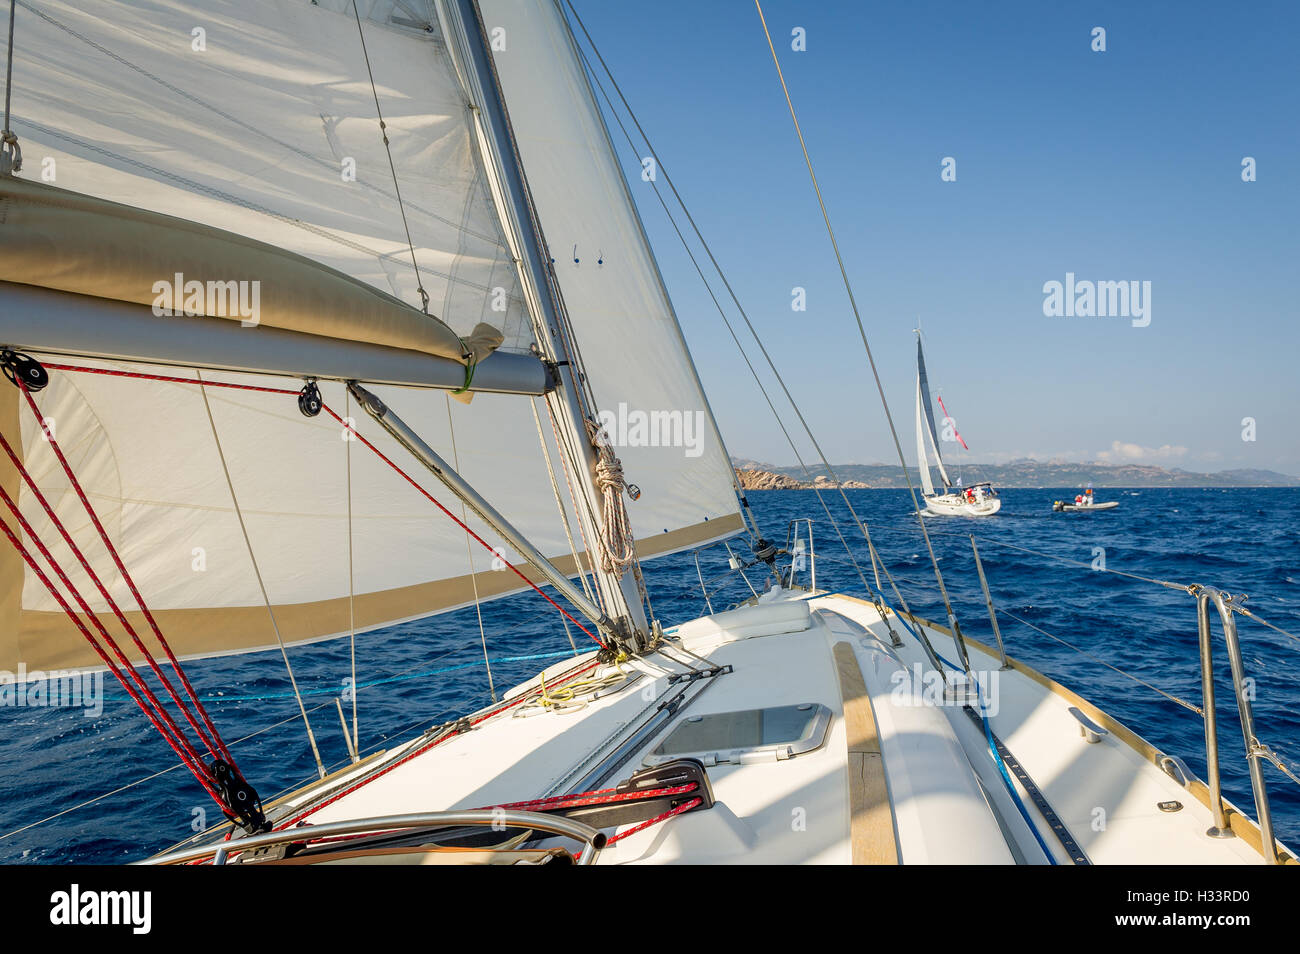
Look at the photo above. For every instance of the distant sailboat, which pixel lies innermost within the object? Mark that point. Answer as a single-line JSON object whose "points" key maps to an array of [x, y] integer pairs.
{"points": [[979, 500]]}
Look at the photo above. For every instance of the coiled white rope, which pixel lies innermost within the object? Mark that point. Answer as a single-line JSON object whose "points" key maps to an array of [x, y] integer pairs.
{"points": [[617, 545]]}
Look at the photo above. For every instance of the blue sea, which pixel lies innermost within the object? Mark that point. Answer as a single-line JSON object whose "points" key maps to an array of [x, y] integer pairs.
{"points": [[106, 789]]}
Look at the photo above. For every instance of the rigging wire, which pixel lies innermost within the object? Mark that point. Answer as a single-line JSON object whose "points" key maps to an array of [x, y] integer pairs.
{"points": [[1185, 587], [1172, 698], [284, 653], [559, 503], [9, 66], [469, 555], [397, 189], [156, 715], [215, 749], [404, 676], [727, 322], [734, 297], [221, 779], [1245, 612], [452, 730], [564, 518], [147, 778], [848, 287], [555, 329], [352, 613], [565, 449], [11, 154], [204, 385], [434, 500]]}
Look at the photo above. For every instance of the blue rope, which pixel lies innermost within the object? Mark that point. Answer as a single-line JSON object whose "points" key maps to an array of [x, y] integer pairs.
{"points": [[365, 685], [1002, 766]]}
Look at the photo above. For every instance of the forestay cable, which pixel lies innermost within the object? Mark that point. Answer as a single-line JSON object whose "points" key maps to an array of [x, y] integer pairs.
{"points": [[862, 331]]}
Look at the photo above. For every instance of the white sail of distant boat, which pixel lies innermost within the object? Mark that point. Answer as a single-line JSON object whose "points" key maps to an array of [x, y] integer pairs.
{"points": [[980, 499], [269, 467]]}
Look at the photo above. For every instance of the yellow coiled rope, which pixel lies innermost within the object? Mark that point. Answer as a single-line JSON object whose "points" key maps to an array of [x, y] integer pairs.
{"points": [[572, 696]]}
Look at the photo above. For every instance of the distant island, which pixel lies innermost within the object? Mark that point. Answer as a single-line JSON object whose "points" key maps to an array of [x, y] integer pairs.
{"points": [[755, 475]]}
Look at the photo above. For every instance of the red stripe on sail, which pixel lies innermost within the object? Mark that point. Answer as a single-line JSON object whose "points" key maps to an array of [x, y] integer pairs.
{"points": [[951, 421]]}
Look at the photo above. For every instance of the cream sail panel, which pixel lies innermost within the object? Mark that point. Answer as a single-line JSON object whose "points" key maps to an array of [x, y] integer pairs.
{"points": [[147, 458], [633, 350], [62, 240], [270, 131], [144, 452]]}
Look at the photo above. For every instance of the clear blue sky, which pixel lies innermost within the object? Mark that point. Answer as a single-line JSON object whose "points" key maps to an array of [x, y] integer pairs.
{"points": [[1122, 165]]}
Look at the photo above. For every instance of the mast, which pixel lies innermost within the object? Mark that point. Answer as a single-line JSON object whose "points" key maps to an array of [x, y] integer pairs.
{"points": [[618, 592]]}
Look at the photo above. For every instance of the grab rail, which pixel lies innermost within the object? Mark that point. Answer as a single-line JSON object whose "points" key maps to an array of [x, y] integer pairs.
{"points": [[801, 559], [1227, 606], [1254, 750], [593, 839], [794, 547]]}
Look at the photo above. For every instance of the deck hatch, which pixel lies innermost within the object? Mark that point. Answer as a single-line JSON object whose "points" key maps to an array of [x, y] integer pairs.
{"points": [[778, 732]]}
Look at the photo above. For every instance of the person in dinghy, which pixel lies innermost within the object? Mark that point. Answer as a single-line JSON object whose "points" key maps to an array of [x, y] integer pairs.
{"points": [[1083, 501]]}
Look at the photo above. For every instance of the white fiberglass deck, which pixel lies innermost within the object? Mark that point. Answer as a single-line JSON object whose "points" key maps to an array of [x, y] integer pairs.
{"points": [[946, 802]]}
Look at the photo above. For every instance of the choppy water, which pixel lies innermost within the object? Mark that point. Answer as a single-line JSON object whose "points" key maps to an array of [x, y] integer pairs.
{"points": [[1243, 541]]}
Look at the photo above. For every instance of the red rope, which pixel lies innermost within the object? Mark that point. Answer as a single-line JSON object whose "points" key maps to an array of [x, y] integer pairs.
{"points": [[94, 577], [165, 377], [103, 631], [604, 796], [487, 546], [249, 387], [684, 807], [182, 748], [135, 592], [192, 759], [496, 710]]}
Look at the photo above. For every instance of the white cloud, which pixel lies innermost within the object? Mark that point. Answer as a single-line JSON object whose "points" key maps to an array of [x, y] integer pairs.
{"points": [[1124, 451]]}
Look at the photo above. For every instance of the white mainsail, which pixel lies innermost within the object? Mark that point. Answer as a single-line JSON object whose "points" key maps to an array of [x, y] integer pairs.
{"points": [[923, 399], [927, 483], [252, 134], [264, 124]]}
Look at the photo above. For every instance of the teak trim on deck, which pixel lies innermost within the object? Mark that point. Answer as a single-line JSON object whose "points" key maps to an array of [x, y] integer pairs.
{"points": [[871, 817]]}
